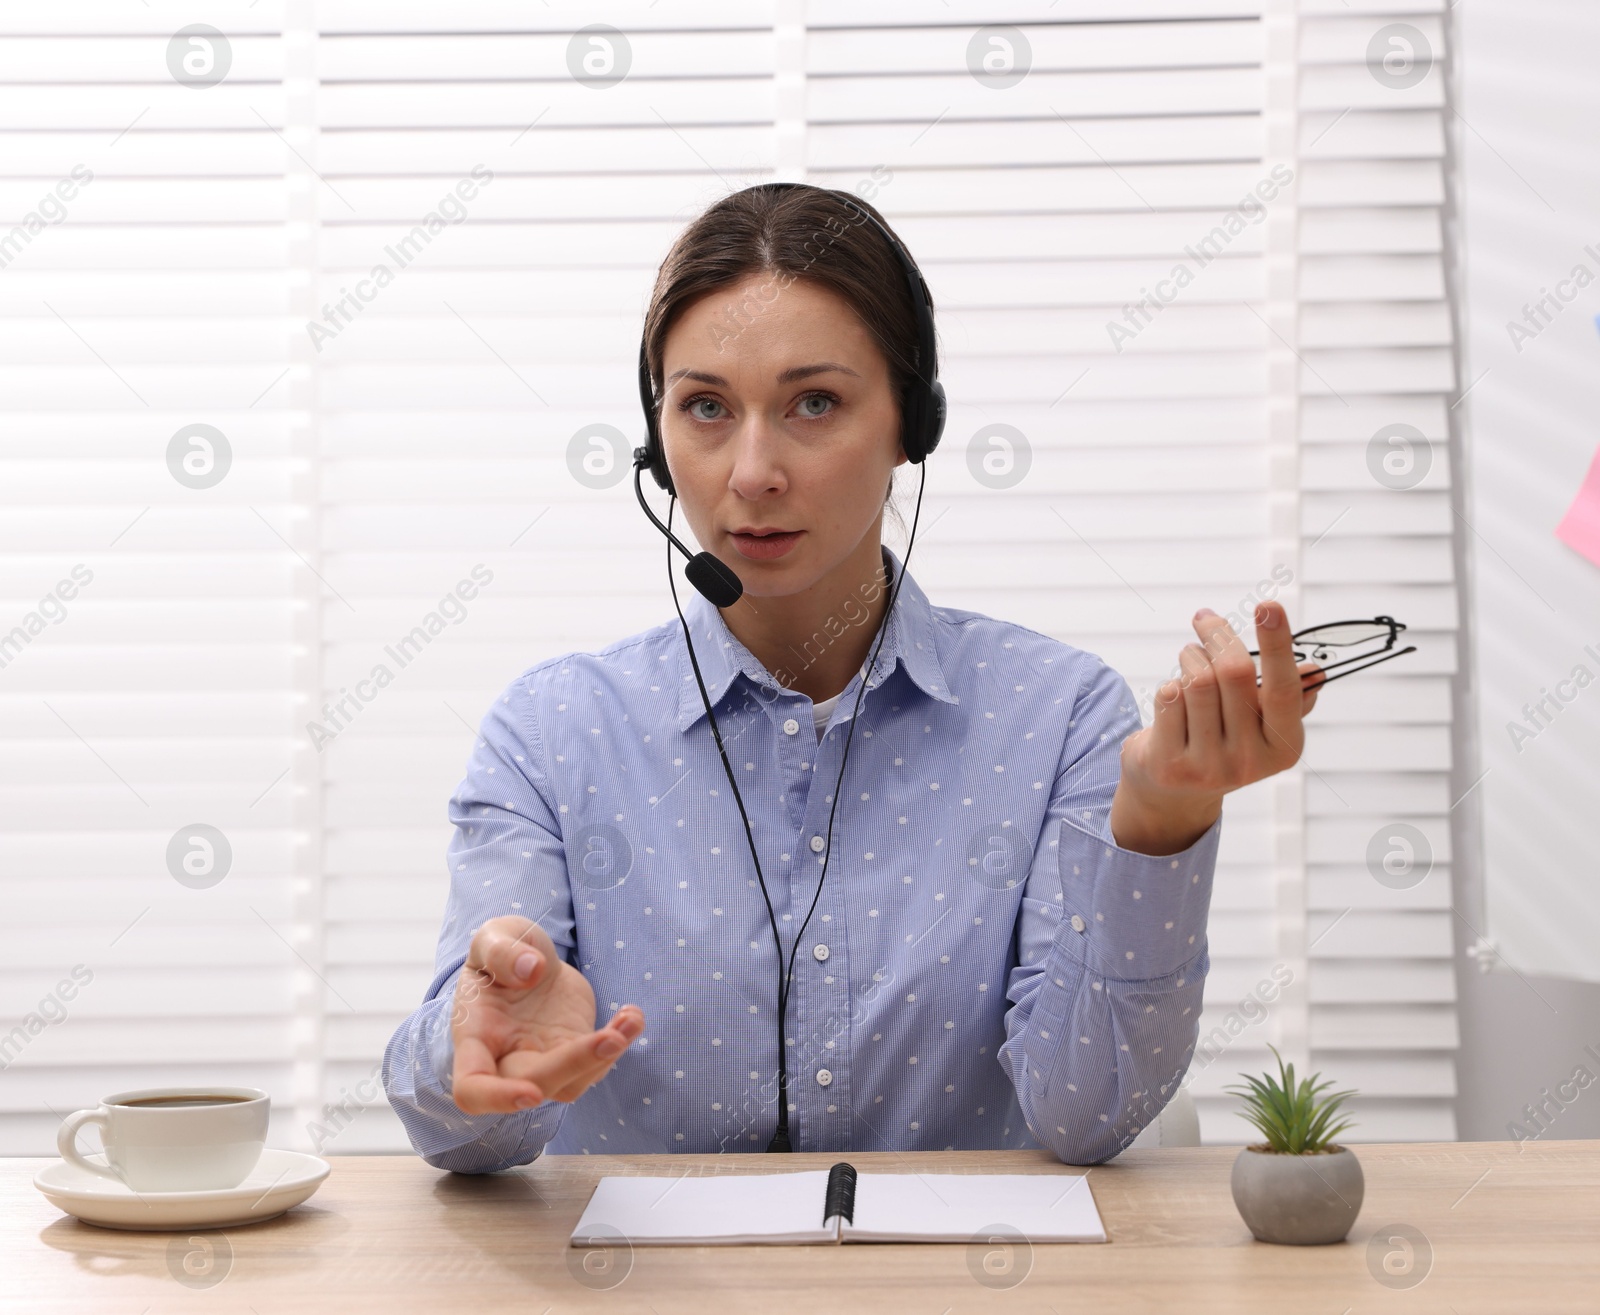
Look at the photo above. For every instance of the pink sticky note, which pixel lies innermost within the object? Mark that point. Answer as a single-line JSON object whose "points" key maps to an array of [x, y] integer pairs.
{"points": [[1580, 527]]}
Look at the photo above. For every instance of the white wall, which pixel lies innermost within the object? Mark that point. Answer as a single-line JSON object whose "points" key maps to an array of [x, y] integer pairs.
{"points": [[1531, 223], [1530, 830]]}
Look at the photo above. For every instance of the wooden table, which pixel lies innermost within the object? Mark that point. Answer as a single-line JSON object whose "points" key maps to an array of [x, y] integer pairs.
{"points": [[1508, 1229]]}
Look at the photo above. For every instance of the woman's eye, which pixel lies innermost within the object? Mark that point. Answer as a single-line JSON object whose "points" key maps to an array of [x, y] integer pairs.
{"points": [[701, 401], [805, 403]]}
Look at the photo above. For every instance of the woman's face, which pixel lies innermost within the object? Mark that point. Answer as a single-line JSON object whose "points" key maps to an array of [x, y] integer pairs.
{"points": [[779, 416]]}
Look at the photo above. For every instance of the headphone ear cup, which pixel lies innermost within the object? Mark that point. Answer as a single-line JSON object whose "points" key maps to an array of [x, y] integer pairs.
{"points": [[924, 421], [649, 456], [913, 429], [936, 416], [658, 465]]}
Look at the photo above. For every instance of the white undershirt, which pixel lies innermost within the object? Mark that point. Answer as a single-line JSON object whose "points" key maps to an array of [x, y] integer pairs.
{"points": [[820, 712]]}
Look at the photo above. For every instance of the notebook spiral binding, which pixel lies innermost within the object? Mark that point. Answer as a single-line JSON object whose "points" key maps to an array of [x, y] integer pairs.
{"points": [[841, 1198]]}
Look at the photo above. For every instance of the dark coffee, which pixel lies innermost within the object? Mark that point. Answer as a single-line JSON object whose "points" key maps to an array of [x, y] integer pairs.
{"points": [[182, 1102]]}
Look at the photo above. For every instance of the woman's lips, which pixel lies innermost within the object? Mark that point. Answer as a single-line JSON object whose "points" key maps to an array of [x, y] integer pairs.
{"points": [[765, 547]]}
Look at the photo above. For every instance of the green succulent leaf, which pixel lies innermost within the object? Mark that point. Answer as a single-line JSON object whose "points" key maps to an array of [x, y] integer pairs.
{"points": [[1294, 1118]]}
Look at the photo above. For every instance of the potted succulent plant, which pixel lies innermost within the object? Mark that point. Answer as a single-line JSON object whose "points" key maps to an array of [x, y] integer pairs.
{"points": [[1297, 1187]]}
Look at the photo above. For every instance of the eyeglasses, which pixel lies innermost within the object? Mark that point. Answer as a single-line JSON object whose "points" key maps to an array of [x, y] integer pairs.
{"points": [[1338, 638]]}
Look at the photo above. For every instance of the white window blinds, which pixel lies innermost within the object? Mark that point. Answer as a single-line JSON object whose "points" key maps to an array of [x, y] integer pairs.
{"points": [[147, 487], [399, 258]]}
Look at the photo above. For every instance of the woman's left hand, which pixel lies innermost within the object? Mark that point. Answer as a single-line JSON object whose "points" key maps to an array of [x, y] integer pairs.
{"points": [[1214, 731]]}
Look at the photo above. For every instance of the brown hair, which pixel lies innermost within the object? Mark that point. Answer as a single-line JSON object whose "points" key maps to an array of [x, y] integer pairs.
{"points": [[792, 233]]}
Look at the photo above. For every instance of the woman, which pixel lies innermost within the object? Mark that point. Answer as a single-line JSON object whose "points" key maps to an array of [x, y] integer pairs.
{"points": [[1002, 940]]}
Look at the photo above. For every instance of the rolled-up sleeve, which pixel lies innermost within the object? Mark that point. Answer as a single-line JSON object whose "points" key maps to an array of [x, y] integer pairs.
{"points": [[1111, 954], [506, 856]]}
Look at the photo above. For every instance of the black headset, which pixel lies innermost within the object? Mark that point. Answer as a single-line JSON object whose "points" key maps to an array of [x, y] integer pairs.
{"points": [[922, 412]]}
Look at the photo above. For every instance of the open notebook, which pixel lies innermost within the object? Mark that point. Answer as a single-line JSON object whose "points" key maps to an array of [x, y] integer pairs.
{"points": [[838, 1205]]}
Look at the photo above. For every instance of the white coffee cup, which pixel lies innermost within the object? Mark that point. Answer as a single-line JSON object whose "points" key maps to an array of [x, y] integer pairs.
{"points": [[174, 1139]]}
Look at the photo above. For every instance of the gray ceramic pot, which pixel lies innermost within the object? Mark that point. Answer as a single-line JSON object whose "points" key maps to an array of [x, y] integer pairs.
{"points": [[1300, 1200]]}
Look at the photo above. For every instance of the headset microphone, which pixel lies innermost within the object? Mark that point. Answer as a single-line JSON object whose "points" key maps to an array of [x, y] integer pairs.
{"points": [[710, 575], [922, 417]]}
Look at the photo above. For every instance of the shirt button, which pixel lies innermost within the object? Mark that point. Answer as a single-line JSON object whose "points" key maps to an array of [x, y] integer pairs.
{"points": [[1077, 923], [819, 952], [791, 726], [824, 1077], [817, 843]]}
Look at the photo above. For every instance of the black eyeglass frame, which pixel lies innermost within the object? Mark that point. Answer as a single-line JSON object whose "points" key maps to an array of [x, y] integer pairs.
{"points": [[1308, 652]]}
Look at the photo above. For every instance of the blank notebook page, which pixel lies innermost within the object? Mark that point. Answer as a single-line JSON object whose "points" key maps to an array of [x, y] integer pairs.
{"points": [[769, 1207], [957, 1207]]}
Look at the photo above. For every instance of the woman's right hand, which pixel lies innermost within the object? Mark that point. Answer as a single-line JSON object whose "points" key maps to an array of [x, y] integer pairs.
{"points": [[522, 1020]]}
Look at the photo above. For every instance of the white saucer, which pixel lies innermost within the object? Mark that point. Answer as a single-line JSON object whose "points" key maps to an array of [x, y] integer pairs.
{"points": [[280, 1181]]}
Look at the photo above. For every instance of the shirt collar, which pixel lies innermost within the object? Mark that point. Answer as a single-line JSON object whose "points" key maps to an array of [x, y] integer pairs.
{"points": [[910, 640]]}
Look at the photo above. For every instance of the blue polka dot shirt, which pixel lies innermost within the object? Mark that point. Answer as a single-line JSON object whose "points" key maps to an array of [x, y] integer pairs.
{"points": [[984, 966]]}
